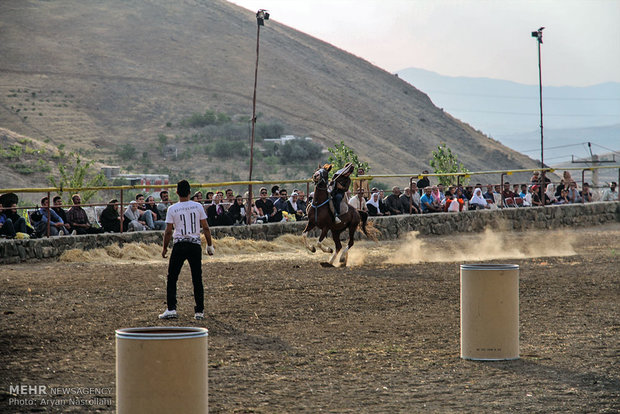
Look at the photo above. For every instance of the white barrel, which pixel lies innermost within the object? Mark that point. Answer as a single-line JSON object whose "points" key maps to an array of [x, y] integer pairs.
{"points": [[489, 312], [162, 370]]}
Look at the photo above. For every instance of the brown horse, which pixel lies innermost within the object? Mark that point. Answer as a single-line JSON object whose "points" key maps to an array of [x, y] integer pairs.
{"points": [[320, 215]]}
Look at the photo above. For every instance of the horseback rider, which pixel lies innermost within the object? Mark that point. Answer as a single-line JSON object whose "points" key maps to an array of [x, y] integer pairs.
{"points": [[340, 185]]}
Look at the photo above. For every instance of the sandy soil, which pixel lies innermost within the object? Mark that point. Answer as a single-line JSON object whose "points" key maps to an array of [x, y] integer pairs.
{"points": [[286, 335]]}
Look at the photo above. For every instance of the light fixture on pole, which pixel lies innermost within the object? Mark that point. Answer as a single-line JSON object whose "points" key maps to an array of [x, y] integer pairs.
{"points": [[261, 16], [539, 37]]}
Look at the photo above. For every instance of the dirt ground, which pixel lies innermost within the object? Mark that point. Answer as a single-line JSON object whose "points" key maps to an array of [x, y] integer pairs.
{"points": [[286, 335]]}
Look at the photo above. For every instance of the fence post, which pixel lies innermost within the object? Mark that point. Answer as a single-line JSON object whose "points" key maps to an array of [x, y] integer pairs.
{"points": [[49, 213], [121, 212]]}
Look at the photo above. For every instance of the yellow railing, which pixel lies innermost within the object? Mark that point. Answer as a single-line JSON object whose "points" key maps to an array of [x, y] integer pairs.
{"points": [[257, 183]]}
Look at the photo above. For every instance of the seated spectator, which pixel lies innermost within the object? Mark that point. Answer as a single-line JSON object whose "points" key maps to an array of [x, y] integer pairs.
{"points": [[423, 182], [61, 212], [586, 194], [427, 203], [162, 206], [6, 226], [19, 223], [574, 195], [57, 225], [237, 211], [197, 197], [560, 187], [159, 222], [133, 217], [611, 194], [281, 203], [549, 196], [78, 219], [535, 178], [293, 207], [507, 193], [301, 203], [146, 215], [489, 194], [110, 219], [254, 211], [442, 192], [407, 205], [217, 214], [275, 193], [357, 184], [266, 209], [534, 191], [392, 202], [209, 199], [230, 197], [358, 200], [437, 199], [468, 193], [453, 204], [478, 202], [523, 191], [563, 198], [374, 204]]}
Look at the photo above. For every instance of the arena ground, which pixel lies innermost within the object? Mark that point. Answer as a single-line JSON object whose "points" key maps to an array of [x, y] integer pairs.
{"points": [[286, 335]]}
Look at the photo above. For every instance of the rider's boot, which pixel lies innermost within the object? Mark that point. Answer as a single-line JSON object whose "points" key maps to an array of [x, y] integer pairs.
{"points": [[337, 220]]}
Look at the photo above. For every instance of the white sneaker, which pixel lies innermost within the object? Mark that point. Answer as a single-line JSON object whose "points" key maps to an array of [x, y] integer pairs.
{"points": [[337, 220], [169, 314], [199, 315]]}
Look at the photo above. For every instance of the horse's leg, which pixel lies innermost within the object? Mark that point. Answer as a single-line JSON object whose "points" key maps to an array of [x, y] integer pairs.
{"points": [[326, 249], [345, 253], [336, 237], [304, 236]]}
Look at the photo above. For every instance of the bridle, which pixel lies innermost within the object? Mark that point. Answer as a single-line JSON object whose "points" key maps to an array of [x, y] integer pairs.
{"points": [[321, 180]]}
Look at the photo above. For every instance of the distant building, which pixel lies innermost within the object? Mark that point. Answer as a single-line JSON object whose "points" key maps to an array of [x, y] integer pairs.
{"points": [[137, 179], [285, 138]]}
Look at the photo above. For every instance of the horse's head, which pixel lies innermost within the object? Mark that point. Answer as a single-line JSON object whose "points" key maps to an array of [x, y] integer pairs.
{"points": [[321, 176]]}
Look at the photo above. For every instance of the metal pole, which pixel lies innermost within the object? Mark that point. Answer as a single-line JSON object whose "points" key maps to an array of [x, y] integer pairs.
{"points": [[121, 212], [542, 148], [253, 125], [49, 213]]}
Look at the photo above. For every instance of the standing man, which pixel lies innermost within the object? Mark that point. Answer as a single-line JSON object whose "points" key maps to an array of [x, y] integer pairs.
{"points": [[185, 218]]}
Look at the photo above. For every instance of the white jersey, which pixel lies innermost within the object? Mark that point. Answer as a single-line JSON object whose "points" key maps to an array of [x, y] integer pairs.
{"points": [[186, 216]]}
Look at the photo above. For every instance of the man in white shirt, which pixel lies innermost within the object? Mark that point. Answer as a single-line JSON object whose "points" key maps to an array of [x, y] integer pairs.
{"points": [[610, 194], [185, 219]]}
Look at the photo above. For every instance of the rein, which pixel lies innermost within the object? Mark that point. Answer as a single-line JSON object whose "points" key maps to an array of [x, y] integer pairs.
{"points": [[316, 207]]}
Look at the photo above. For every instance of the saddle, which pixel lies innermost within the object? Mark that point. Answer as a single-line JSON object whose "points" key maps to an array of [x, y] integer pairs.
{"points": [[344, 206]]}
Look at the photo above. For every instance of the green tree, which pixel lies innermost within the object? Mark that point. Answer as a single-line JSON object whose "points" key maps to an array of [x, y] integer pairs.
{"points": [[444, 161], [341, 154], [77, 174]]}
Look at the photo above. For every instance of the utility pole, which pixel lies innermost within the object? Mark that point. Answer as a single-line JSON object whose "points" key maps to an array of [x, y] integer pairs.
{"points": [[539, 37], [261, 16]]}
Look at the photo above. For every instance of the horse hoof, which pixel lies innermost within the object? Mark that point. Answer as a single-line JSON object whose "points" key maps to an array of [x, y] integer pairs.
{"points": [[330, 250], [312, 249], [326, 264]]}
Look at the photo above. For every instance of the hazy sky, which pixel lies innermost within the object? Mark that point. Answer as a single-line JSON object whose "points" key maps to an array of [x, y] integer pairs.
{"points": [[474, 38]]}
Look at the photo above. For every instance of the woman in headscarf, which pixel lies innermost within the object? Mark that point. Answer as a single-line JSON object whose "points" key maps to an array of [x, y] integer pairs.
{"points": [[237, 211], [374, 205], [292, 206], [478, 202], [549, 195], [110, 219]]}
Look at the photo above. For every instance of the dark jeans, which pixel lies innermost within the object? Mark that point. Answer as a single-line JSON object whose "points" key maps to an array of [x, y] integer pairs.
{"points": [[8, 229], [191, 252], [88, 230], [338, 196]]}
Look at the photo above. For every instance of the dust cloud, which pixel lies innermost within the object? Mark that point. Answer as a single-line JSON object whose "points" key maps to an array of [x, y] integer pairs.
{"points": [[488, 245]]}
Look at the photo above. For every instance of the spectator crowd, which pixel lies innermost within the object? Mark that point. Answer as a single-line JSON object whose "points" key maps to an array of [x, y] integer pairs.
{"points": [[224, 208]]}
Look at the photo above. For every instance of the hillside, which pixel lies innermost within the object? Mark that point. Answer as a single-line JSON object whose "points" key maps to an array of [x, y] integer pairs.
{"points": [[97, 76]]}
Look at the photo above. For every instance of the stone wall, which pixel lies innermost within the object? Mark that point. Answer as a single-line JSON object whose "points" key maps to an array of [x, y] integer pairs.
{"points": [[519, 219]]}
